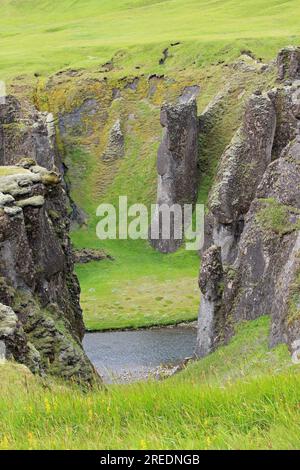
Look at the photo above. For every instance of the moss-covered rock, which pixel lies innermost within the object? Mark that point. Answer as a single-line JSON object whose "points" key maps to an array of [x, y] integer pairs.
{"points": [[41, 321], [254, 221]]}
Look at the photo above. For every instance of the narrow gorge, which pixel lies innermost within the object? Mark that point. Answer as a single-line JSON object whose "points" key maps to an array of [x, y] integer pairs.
{"points": [[241, 152], [149, 229]]}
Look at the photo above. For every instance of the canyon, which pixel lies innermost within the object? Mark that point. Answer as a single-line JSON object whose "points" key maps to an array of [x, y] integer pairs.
{"points": [[241, 148]]}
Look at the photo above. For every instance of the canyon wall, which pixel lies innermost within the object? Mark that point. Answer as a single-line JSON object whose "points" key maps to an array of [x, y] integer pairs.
{"points": [[41, 321], [41, 324], [251, 260], [107, 137], [27, 133]]}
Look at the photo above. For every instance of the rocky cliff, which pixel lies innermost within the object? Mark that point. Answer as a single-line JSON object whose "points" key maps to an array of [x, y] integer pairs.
{"points": [[177, 167], [251, 260], [41, 322], [27, 133]]}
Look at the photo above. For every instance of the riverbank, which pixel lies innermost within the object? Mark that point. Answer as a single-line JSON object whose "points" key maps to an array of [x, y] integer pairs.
{"points": [[180, 324], [244, 396]]}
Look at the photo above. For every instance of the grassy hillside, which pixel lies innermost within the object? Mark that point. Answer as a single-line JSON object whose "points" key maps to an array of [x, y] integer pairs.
{"points": [[241, 397], [47, 35]]}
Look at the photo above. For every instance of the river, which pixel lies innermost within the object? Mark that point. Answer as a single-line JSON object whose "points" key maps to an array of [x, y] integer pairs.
{"points": [[128, 356]]}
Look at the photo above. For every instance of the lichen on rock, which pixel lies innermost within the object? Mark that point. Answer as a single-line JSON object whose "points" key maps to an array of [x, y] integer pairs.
{"points": [[254, 221], [26, 133], [288, 63], [40, 316], [177, 170]]}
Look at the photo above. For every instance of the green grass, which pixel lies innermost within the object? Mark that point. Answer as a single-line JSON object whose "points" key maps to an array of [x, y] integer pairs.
{"points": [[46, 36], [241, 397], [140, 288]]}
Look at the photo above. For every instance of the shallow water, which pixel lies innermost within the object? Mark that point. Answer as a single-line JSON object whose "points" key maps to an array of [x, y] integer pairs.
{"points": [[124, 356]]}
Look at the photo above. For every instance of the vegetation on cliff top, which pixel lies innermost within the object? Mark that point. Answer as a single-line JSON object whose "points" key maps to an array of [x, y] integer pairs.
{"points": [[44, 36], [241, 397]]}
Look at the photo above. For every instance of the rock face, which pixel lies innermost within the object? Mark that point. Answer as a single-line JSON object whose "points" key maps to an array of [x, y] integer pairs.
{"points": [[177, 168], [240, 172], [116, 143], [41, 322], [288, 63], [251, 260], [27, 133]]}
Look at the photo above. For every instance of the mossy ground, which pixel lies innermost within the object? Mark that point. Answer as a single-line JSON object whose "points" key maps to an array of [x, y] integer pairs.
{"points": [[244, 396]]}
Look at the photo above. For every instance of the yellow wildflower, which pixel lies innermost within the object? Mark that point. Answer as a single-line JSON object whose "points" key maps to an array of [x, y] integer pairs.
{"points": [[4, 444], [47, 406], [143, 444], [208, 441], [31, 440]]}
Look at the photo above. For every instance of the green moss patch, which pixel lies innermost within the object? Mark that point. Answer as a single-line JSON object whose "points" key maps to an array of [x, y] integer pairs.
{"points": [[276, 217]]}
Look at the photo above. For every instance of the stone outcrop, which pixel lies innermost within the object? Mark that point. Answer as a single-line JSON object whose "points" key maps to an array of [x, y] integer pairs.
{"points": [[77, 121], [240, 172], [41, 322], [116, 143], [30, 135], [286, 102], [288, 63], [251, 259], [86, 255], [27, 133], [177, 166]]}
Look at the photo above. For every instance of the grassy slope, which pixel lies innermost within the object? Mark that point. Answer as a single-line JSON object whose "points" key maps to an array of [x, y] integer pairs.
{"points": [[47, 35], [241, 397]]}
